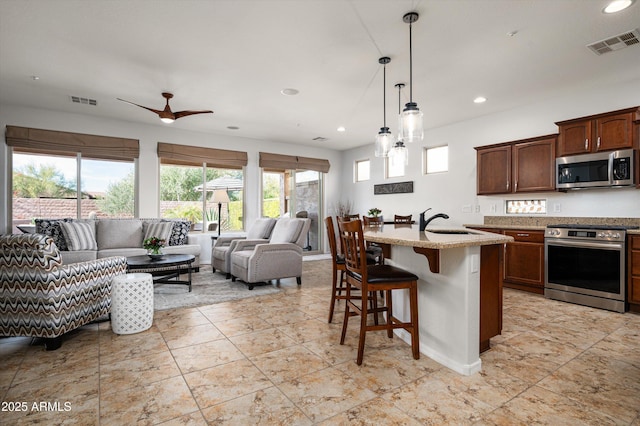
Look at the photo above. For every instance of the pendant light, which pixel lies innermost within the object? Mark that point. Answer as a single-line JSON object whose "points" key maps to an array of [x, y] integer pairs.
{"points": [[384, 138], [399, 154], [411, 128]]}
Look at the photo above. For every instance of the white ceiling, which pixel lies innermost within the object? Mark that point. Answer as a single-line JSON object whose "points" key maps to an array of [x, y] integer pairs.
{"points": [[234, 57]]}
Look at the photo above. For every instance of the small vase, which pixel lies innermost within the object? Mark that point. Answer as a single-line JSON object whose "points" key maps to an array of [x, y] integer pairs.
{"points": [[155, 254]]}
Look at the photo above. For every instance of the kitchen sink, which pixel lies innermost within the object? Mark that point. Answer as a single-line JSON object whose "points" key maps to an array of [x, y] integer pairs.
{"points": [[449, 231]]}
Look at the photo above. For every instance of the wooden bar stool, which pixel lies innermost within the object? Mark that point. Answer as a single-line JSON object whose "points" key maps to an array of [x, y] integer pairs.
{"points": [[338, 265], [372, 220], [402, 219], [370, 279]]}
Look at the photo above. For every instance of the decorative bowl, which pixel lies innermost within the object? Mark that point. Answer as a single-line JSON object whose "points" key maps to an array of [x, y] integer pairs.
{"points": [[155, 256]]}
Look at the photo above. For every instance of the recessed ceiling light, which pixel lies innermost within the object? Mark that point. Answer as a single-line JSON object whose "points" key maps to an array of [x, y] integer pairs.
{"points": [[617, 6], [512, 33], [341, 129], [35, 77], [233, 127], [290, 92], [480, 100]]}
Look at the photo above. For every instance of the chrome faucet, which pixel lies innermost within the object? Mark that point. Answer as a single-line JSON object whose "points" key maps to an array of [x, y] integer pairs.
{"points": [[424, 222]]}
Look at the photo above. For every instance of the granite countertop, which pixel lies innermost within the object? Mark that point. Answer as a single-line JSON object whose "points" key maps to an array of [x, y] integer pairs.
{"points": [[539, 223], [433, 237]]}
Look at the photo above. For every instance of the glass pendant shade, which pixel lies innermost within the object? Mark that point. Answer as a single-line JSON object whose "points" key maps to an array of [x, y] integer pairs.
{"points": [[411, 129], [384, 142], [399, 154]]}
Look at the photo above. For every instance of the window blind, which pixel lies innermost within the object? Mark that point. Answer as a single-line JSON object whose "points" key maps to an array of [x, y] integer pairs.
{"points": [[53, 142], [290, 162], [186, 155]]}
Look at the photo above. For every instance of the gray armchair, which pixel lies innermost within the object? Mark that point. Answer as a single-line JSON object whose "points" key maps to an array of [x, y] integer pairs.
{"points": [[281, 257], [221, 251], [41, 297]]}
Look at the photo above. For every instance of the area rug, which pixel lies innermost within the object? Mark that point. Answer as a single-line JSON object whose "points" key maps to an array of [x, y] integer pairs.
{"points": [[207, 288]]}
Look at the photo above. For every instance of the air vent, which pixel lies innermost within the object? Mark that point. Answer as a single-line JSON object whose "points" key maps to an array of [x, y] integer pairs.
{"points": [[616, 43], [84, 101], [319, 139]]}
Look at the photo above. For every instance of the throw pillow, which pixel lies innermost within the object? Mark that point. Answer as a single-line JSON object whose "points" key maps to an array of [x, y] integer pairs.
{"points": [[161, 230], [119, 233], [51, 228], [179, 233], [286, 230], [78, 236]]}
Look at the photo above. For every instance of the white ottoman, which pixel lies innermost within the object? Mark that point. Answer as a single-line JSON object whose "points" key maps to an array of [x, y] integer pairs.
{"points": [[131, 303]]}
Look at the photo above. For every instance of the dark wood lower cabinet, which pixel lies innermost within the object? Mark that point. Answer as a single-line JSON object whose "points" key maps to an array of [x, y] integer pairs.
{"points": [[633, 276], [524, 261]]}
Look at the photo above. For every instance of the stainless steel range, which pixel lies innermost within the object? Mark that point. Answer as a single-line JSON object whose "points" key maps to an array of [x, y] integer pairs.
{"points": [[585, 264]]}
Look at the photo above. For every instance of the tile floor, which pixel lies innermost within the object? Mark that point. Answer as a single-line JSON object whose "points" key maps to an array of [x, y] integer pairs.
{"points": [[274, 360]]}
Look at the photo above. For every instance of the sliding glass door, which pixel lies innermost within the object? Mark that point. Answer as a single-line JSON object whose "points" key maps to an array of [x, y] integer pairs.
{"points": [[295, 193]]}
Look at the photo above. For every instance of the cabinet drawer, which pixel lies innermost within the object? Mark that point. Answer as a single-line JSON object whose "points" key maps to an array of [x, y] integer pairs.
{"points": [[526, 236], [634, 242]]}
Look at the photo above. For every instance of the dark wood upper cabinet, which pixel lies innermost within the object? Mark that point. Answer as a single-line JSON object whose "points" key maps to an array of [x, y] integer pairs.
{"points": [[533, 165], [602, 132], [494, 170], [525, 165]]}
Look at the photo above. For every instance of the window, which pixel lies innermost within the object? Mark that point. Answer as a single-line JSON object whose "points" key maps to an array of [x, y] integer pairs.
{"points": [[60, 175], [186, 192], [192, 179], [363, 168], [394, 168], [293, 186], [436, 160]]}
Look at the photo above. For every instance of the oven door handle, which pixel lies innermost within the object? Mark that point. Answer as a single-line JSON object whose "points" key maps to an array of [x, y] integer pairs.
{"points": [[586, 244]]}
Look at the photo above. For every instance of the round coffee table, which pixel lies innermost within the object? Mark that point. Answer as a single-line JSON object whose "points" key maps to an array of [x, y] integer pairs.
{"points": [[165, 270]]}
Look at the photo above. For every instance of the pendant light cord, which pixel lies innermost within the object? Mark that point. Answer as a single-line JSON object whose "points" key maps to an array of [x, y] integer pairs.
{"points": [[384, 95], [410, 66]]}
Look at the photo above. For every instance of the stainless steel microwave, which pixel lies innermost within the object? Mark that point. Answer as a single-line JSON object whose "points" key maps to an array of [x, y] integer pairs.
{"points": [[601, 169]]}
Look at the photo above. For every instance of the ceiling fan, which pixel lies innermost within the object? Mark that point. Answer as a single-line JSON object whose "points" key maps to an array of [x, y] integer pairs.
{"points": [[166, 115]]}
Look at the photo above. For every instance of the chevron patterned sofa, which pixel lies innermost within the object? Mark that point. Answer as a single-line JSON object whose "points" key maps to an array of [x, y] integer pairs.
{"points": [[41, 297]]}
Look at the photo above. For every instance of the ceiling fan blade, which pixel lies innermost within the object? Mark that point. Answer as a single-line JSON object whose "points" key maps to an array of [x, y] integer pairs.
{"points": [[141, 106], [186, 113]]}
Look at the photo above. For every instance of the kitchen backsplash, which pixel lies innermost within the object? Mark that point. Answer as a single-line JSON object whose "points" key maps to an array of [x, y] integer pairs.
{"points": [[549, 220]]}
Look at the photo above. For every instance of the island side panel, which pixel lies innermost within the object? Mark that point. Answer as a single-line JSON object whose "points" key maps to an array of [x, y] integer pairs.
{"points": [[491, 263], [448, 305]]}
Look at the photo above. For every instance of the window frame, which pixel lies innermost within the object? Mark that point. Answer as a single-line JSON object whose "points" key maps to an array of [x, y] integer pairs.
{"points": [[78, 159], [425, 153], [356, 174]]}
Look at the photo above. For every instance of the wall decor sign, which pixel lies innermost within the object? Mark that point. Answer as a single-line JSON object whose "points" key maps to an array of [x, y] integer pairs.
{"points": [[393, 188]]}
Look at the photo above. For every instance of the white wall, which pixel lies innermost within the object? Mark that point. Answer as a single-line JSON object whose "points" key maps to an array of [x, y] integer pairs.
{"points": [[447, 192], [450, 192], [149, 136]]}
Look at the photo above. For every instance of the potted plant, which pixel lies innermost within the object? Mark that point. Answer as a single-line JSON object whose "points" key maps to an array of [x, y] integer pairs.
{"points": [[375, 212]]}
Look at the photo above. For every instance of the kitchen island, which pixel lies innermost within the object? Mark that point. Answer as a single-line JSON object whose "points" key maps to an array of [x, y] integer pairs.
{"points": [[459, 290]]}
